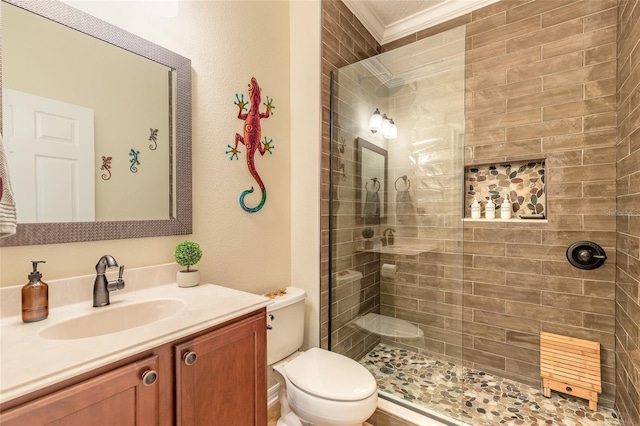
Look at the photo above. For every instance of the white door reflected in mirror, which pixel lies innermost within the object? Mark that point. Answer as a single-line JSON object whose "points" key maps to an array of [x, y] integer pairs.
{"points": [[51, 143]]}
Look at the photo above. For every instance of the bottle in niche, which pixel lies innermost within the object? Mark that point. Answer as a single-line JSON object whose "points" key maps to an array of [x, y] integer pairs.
{"points": [[475, 208], [505, 208], [490, 209], [35, 296]]}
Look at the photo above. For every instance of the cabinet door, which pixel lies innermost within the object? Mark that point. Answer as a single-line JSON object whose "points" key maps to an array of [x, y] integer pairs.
{"points": [[226, 385], [118, 398]]}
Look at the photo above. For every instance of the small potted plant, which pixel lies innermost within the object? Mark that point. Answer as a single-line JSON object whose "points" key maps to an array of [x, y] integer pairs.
{"points": [[367, 234], [187, 253]]}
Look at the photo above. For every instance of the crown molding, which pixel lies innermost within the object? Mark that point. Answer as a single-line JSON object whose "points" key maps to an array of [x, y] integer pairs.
{"points": [[438, 14], [366, 16]]}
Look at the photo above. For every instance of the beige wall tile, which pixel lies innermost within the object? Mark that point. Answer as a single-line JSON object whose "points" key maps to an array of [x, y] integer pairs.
{"points": [[505, 349], [548, 128], [529, 311], [502, 293], [508, 150], [506, 120], [546, 35], [595, 89], [581, 75], [532, 69], [579, 140], [597, 122], [603, 53], [575, 10], [507, 31], [580, 108], [508, 322], [606, 18], [579, 303], [514, 59], [580, 42]]}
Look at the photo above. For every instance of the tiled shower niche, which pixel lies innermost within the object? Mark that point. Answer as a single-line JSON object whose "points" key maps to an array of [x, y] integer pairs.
{"points": [[522, 181]]}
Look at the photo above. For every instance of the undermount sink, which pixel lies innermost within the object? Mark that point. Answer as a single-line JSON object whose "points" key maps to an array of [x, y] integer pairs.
{"points": [[112, 319]]}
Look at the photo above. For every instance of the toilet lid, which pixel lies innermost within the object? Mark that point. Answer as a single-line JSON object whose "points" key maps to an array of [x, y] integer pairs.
{"points": [[330, 375]]}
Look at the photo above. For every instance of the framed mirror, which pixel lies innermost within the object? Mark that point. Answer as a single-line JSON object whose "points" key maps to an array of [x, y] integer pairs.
{"points": [[132, 98], [372, 164]]}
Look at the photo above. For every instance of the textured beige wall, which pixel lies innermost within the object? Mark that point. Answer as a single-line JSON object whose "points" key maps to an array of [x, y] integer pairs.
{"points": [[241, 250], [305, 159]]}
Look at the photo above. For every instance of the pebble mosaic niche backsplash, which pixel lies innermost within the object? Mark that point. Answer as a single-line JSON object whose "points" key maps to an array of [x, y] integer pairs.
{"points": [[522, 181]]}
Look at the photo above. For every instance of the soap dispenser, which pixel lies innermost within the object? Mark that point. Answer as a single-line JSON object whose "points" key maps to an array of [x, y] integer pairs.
{"points": [[505, 208], [490, 209], [475, 208], [35, 296]]}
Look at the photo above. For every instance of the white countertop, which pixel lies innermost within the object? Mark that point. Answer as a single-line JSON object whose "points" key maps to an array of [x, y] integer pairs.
{"points": [[29, 362]]}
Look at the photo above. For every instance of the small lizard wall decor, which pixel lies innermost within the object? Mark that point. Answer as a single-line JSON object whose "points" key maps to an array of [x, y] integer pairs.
{"points": [[251, 138]]}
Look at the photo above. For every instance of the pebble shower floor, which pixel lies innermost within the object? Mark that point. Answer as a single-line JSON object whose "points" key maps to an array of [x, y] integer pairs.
{"points": [[475, 397]]}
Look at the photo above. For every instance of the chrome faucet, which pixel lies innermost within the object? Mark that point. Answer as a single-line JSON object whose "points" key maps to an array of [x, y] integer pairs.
{"points": [[102, 287], [387, 237]]}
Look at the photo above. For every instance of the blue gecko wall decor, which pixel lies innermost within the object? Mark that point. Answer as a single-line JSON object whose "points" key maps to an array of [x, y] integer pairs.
{"points": [[134, 160], [251, 138]]}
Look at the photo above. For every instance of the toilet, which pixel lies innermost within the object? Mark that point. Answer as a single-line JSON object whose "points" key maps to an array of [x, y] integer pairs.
{"points": [[317, 387]]}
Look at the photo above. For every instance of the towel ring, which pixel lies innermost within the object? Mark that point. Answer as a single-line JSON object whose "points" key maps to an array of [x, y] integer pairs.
{"points": [[375, 181], [406, 180]]}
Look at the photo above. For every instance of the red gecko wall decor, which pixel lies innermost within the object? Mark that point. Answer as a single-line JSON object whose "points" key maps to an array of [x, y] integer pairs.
{"points": [[251, 138]]}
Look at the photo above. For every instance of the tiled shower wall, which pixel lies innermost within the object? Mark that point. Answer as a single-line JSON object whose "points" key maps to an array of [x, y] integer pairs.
{"points": [[540, 83], [344, 41], [628, 215]]}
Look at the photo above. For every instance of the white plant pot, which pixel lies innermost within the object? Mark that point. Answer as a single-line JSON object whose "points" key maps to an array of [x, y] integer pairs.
{"points": [[188, 278]]}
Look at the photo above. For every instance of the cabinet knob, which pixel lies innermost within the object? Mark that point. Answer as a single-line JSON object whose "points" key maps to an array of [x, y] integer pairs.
{"points": [[149, 377], [189, 358]]}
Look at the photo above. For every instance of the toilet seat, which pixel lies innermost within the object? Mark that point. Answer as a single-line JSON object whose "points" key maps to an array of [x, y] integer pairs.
{"points": [[331, 376]]}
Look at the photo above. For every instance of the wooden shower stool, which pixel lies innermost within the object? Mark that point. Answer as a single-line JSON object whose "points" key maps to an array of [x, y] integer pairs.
{"points": [[570, 366]]}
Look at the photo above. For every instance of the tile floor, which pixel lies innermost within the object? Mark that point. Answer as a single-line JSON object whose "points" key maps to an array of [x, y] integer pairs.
{"points": [[475, 397]]}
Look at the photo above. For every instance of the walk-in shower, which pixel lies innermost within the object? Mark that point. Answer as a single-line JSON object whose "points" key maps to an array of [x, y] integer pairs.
{"points": [[397, 294], [397, 264]]}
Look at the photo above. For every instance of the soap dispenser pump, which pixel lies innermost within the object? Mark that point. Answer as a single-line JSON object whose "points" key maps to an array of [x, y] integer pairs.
{"points": [[35, 296]]}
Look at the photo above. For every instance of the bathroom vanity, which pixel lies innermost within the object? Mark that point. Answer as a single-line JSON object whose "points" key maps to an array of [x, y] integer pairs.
{"points": [[203, 362]]}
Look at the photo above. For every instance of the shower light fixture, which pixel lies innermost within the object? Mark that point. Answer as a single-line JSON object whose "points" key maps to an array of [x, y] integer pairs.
{"points": [[392, 131], [375, 122], [383, 124]]}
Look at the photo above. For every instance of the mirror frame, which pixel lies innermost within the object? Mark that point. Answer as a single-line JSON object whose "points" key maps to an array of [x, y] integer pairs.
{"points": [[181, 224]]}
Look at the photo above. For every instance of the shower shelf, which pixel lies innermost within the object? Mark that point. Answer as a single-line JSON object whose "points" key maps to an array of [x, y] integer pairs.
{"points": [[404, 250], [512, 220]]}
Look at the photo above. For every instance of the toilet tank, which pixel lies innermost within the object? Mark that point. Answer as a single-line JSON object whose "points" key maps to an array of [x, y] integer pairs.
{"points": [[285, 324]]}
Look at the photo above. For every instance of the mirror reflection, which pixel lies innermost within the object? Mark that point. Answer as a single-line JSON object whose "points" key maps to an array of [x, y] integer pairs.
{"points": [[140, 167], [373, 181], [88, 135]]}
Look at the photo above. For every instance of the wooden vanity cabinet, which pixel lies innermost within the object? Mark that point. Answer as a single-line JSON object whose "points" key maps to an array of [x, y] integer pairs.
{"points": [[221, 376], [226, 385], [119, 397]]}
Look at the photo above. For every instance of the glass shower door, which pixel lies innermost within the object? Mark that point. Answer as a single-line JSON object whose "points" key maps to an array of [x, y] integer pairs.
{"points": [[396, 233]]}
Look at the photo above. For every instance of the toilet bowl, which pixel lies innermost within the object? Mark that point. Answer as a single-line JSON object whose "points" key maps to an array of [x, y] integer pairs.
{"points": [[317, 387]]}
